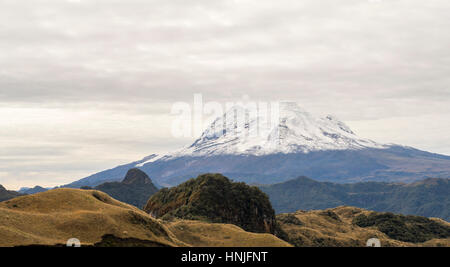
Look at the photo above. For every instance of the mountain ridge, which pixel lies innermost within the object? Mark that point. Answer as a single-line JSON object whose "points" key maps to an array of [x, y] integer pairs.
{"points": [[34, 190], [300, 144], [294, 130], [135, 188], [429, 197], [7, 194]]}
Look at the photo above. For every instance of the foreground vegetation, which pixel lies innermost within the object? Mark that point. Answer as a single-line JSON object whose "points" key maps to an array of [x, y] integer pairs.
{"points": [[428, 198], [210, 210], [214, 198], [96, 219], [413, 229], [352, 227]]}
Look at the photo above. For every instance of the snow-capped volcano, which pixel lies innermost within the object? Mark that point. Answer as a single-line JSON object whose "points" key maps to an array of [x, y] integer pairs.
{"points": [[290, 129], [285, 143]]}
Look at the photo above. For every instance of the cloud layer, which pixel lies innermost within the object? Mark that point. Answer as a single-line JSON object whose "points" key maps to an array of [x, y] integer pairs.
{"points": [[88, 84]]}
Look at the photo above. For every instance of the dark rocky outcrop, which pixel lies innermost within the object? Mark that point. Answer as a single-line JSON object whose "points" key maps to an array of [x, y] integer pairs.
{"points": [[214, 198], [135, 189], [7, 194]]}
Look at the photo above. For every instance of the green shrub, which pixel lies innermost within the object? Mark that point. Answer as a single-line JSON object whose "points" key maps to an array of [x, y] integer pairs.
{"points": [[414, 229]]}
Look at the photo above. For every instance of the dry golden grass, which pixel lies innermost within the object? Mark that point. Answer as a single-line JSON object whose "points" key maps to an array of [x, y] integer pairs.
{"points": [[318, 229], [204, 234], [55, 216]]}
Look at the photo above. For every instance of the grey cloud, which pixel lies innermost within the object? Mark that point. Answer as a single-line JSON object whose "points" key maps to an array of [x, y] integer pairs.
{"points": [[366, 61], [166, 50]]}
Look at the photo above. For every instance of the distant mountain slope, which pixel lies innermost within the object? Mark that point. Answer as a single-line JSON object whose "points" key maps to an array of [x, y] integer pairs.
{"points": [[297, 144], [34, 190], [7, 194], [429, 198], [135, 189], [353, 227], [112, 175], [214, 198], [393, 164]]}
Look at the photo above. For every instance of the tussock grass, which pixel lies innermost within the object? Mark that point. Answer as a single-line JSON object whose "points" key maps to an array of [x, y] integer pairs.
{"points": [[54, 216], [204, 234], [335, 228], [51, 218]]}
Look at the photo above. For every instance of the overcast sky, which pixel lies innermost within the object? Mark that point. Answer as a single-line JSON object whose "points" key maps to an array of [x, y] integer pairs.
{"points": [[86, 85]]}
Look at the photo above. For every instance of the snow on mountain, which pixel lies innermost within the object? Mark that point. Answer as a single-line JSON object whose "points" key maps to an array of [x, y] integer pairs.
{"points": [[293, 131], [287, 130], [271, 147], [149, 159]]}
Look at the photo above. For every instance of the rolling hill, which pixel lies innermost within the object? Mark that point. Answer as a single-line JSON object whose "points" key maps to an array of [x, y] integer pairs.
{"points": [[57, 215], [96, 219], [53, 217], [353, 227]]}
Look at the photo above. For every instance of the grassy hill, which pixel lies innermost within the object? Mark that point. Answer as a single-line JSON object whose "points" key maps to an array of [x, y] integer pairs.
{"points": [[55, 216], [208, 211], [96, 219], [203, 234], [214, 198], [429, 198], [352, 227], [135, 189]]}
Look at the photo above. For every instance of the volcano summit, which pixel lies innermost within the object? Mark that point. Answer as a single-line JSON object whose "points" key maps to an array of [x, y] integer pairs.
{"points": [[298, 144]]}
